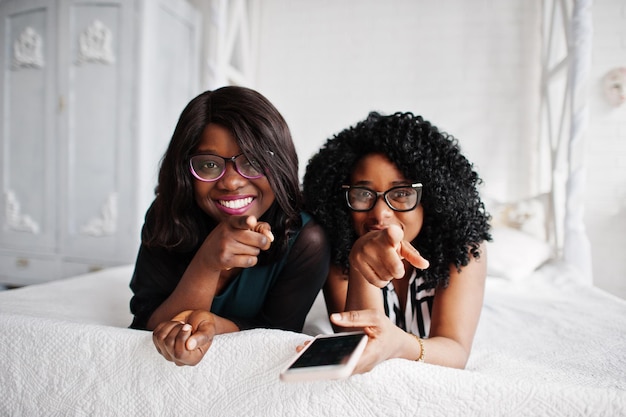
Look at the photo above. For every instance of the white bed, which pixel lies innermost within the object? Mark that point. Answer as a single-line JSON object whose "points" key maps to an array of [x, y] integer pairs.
{"points": [[546, 345]]}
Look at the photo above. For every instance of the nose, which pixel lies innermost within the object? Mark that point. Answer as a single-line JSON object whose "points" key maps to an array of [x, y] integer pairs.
{"points": [[381, 210], [231, 180]]}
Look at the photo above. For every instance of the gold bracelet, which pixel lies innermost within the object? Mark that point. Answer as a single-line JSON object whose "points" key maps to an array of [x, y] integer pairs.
{"points": [[421, 342]]}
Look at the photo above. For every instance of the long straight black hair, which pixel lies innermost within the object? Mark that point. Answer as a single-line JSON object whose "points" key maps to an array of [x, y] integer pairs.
{"points": [[176, 222]]}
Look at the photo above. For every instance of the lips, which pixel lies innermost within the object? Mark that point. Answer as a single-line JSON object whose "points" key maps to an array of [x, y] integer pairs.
{"points": [[375, 227], [234, 206]]}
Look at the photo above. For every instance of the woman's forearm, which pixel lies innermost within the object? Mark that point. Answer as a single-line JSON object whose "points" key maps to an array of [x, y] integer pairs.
{"points": [[437, 351], [361, 294], [445, 352], [195, 291]]}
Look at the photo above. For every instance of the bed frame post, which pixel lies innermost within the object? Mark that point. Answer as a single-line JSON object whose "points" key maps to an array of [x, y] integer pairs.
{"points": [[566, 56]]}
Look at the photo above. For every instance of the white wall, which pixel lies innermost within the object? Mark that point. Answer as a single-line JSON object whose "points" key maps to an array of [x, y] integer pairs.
{"points": [[605, 200], [469, 67]]}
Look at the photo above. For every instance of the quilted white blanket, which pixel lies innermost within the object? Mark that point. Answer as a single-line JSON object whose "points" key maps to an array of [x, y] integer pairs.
{"points": [[545, 346]]}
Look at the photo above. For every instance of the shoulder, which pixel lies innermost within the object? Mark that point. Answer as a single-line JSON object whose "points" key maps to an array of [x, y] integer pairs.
{"points": [[311, 234], [311, 229]]}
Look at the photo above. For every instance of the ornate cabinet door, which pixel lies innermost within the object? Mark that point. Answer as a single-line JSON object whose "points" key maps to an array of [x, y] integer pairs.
{"points": [[96, 78], [115, 130], [28, 176], [91, 91]]}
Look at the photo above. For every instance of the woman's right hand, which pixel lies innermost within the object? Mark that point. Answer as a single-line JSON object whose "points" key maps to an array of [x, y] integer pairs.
{"points": [[186, 338], [236, 243], [378, 256]]}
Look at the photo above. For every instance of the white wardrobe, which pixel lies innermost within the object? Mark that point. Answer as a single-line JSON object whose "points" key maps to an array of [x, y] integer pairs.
{"points": [[91, 91]]}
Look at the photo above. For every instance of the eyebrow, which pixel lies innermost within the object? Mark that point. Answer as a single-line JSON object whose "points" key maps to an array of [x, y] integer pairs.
{"points": [[199, 152], [395, 183]]}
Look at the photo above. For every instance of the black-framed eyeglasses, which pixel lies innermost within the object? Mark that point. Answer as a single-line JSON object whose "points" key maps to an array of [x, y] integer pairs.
{"points": [[400, 198], [208, 167]]}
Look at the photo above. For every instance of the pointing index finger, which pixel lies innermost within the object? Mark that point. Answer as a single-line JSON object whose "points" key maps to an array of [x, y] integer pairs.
{"points": [[243, 222], [395, 234], [251, 223]]}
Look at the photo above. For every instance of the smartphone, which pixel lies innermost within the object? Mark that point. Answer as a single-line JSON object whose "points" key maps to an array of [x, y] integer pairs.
{"points": [[331, 356]]}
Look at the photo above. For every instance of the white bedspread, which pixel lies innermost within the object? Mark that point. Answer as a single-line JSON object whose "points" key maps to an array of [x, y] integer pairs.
{"points": [[545, 346]]}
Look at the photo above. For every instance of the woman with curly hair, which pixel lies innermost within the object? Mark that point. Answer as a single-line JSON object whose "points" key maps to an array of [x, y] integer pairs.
{"points": [[400, 206], [225, 244]]}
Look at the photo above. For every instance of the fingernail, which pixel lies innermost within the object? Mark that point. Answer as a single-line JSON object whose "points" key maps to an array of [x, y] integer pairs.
{"points": [[186, 327], [271, 236], [191, 344], [335, 317]]}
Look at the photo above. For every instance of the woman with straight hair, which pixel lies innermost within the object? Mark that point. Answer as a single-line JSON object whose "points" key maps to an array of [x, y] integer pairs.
{"points": [[226, 245]]}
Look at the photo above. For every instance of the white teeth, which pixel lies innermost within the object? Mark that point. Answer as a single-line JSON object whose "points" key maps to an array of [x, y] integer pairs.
{"points": [[236, 204]]}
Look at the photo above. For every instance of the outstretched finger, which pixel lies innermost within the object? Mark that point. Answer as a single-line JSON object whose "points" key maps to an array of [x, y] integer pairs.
{"points": [[394, 235], [251, 223], [356, 318], [408, 252], [242, 222]]}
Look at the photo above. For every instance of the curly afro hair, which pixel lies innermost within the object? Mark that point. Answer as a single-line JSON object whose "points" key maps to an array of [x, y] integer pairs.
{"points": [[455, 221]]}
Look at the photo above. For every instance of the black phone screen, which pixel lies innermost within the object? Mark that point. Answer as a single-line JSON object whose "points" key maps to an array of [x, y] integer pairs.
{"points": [[328, 351]]}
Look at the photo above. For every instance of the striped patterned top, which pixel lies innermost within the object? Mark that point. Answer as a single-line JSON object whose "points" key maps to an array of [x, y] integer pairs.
{"points": [[415, 316]]}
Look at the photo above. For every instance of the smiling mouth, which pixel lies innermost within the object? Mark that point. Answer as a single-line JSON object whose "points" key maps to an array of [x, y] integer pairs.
{"points": [[369, 228], [236, 204]]}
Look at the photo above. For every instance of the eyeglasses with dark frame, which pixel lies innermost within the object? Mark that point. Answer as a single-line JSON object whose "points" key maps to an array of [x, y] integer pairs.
{"points": [[401, 198], [209, 167]]}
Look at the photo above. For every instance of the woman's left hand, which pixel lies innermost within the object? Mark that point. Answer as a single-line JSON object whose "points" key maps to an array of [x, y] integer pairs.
{"points": [[386, 340], [186, 338]]}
